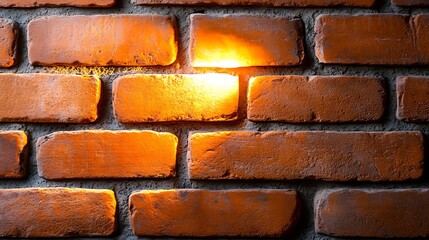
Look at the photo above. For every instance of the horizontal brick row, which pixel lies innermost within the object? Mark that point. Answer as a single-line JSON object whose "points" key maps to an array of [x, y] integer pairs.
{"points": [[234, 213], [66, 212], [279, 155], [56, 212], [407, 3], [208, 97], [106, 154], [226, 41], [43, 3], [275, 3]]}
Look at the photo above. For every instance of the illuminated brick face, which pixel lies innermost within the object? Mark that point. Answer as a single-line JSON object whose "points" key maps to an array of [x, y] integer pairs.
{"points": [[214, 118]]}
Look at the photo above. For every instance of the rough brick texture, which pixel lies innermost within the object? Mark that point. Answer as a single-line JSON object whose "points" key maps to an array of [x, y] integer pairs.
{"points": [[229, 41], [56, 212], [337, 156], [412, 99], [106, 154], [13, 160], [276, 3], [160, 98], [48, 98], [373, 213], [7, 42], [387, 39], [411, 2], [41, 3], [102, 40], [315, 99], [233, 213]]}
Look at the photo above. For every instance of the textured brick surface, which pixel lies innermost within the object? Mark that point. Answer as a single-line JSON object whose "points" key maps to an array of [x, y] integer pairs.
{"points": [[315, 99], [386, 39], [48, 98], [40, 3], [56, 212], [13, 160], [277, 3], [238, 213], [102, 40], [338, 156], [411, 2], [161, 98], [373, 213], [239, 41], [106, 154], [412, 99], [7, 42]]}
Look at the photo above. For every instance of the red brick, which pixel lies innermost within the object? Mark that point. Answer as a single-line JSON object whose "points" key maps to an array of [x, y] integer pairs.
{"points": [[412, 99], [48, 98], [106, 154], [7, 42], [102, 40], [334, 156], [43, 3], [387, 39], [275, 3], [160, 98], [230, 41], [56, 212], [13, 160], [406, 3], [203, 213], [315, 99], [386, 213]]}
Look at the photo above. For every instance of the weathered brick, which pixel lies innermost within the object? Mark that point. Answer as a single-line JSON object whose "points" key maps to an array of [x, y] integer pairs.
{"points": [[336, 156], [44, 3], [7, 42], [275, 3], [106, 154], [410, 2], [315, 99], [373, 213], [230, 41], [48, 98], [13, 160], [56, 212], [160, 98], [102, 40], [412, 99], [231, 213], [387, 39]]}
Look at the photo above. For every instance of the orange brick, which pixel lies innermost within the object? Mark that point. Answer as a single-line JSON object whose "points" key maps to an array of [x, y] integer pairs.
{"points": [[102, 40], [42, 3], [48, 98], [334, 156], [315, 99], [387, 39], [406, 3], [388, 213], [160, 98], [240, 41], [233, 213], [56, 212], [13, 160], [275, 3], [412, 99], [7, 42], [106, 154]]}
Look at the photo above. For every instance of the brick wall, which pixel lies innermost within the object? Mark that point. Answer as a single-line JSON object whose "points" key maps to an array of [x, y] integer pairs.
{"points": [[214, 118]]}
